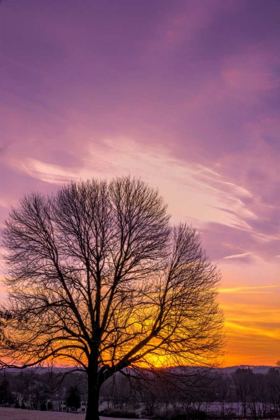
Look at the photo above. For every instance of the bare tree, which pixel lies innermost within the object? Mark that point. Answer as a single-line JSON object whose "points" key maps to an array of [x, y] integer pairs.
{"points": [[98, 277]]}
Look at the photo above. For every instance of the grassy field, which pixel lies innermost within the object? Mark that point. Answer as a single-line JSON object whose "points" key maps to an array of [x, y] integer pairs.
{"points": [[18, 414]]}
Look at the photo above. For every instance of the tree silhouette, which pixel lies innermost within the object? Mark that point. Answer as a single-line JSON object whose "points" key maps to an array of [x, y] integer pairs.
{"points": [[5, 392], [98, 278], [73, 398]]}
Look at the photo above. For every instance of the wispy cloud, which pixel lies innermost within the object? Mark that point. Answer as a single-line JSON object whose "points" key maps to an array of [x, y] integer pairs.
{"points": [[249, 329], [178, 181], [250, 289], [230, 257]]}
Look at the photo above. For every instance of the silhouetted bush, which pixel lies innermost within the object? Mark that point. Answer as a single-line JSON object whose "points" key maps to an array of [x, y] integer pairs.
{"points": [[119, 414], [43, 406]]}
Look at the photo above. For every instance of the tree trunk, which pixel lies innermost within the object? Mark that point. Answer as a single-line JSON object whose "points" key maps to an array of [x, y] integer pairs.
{"points": [[93, 392], [92, 405]]}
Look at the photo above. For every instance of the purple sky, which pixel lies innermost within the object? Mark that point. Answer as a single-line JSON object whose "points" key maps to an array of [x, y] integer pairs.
{"points": [[184, 94]]}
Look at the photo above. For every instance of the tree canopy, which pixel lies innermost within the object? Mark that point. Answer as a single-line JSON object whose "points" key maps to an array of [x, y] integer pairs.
{"points": [[99, 278]]}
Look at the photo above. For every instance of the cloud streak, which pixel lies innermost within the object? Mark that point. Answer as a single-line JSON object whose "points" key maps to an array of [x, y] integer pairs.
{"points": [[250, 289], [230, 257]]}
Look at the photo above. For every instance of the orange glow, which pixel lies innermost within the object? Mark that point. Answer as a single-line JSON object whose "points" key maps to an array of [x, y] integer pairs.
{"points": [[251, 327], [252, 318]]}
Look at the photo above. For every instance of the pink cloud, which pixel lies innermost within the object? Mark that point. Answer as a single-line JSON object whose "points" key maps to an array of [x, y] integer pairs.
{"points": [[254, 70]]}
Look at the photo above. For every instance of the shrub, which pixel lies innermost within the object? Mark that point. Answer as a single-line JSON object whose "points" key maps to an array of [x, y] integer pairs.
{"points": [[119, 414]]}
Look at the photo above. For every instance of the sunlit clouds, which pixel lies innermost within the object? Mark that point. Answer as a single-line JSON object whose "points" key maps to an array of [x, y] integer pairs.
{"points": [[210, 192], [248, 289]]}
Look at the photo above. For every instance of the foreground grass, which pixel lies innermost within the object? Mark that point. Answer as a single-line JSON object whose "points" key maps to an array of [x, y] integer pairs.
{"points": [[18, 414]]}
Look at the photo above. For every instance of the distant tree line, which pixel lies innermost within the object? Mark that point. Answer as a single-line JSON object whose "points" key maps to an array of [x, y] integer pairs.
{"points": [[176, 393], [29, 389], [207, 394]]}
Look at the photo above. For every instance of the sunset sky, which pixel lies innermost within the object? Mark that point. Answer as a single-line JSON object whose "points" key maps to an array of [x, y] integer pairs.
{"points": [[182, 93]]}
